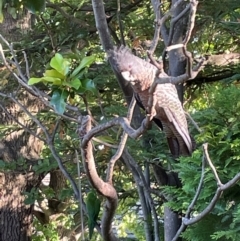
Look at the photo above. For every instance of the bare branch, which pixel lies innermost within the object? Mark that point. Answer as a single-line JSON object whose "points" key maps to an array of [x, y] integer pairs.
{"points": [[121, 145], [193, 122], [101, 24], [27, 65], [144, 194], [104, 188], [205, 148], [194, 200], [191, 21], [120, 22], [156, 8], [220, 189]]}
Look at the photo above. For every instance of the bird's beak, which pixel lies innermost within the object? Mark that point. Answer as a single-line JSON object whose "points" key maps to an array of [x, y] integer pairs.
{"points": [[127, 76]]}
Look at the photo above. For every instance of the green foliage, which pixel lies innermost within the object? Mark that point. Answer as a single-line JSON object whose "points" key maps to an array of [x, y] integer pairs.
{"points": [[65, 82], [32, 196], [93, 209], [35, 5], [44, 166], [46, 232], [68, 77], [219, 119]]}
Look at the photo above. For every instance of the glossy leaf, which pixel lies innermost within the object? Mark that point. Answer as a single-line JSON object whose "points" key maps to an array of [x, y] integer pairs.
{"points": [[60, 64], [76, 83], [86, 61], [33, 81], [58, 102], [53, 73]]}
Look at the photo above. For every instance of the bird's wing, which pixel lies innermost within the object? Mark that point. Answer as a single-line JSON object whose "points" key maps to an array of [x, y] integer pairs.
{"points": [[140, 104], [169, 110]]}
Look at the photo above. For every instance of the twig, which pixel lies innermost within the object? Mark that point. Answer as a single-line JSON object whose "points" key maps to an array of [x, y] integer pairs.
{"points": [[205, 149], [144, 194], [156, 7], [219, 190], [193, 122], [80, 194], [194, 200], [122, 144], [191, 20], [120, 22], [27, 65]]}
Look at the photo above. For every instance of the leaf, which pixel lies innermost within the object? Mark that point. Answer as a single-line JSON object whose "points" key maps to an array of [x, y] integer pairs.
{"points": [[76, 83], [33, 81], [60, 64], [35, 5], [86, 61], [88, 85], [58, 101], [53, 73], [1, 13], [53, 80], [107, 139]]}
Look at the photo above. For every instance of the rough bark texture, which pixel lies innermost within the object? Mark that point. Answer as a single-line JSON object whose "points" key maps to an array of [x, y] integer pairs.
{"points": [[15, 216], [19, 150], [177, 66], [14, 28]]}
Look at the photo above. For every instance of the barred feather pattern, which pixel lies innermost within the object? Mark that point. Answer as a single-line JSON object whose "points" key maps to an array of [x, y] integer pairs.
{"points": [[168, 108]]}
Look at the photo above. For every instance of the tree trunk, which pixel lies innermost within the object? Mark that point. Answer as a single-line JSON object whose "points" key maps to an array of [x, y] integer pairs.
{"points": [[15, 216], [177, 66]]}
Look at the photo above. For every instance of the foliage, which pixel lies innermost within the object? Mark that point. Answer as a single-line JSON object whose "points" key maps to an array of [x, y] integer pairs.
{"points": [[64, 66], [65, 83], [218, 117]]}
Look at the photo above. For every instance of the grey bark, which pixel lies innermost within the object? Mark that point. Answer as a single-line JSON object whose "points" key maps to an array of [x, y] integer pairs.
{"points": [[177, 65]]}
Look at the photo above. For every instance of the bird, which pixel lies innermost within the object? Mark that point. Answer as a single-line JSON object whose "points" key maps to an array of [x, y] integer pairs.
{"points": [[93, 208], [168, 112]]}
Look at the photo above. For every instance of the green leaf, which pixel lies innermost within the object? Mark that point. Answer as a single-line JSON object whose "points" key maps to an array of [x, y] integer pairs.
{"points": [[33, 81], [53, 73], [58, 101], [35, 5], [1, 13], [60, 64], [53, 80], [107, 139], [88, 85], [76, 83], [86, 61]]}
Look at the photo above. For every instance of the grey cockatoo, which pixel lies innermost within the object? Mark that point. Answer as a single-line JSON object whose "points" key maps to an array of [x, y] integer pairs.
{"points": [[168, 111]]}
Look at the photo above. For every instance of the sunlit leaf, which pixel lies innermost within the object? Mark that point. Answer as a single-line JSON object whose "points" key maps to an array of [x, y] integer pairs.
{"points": [[86, 61], [53, 73], [60, 64], [33, 81], [76, 83], [1, 13], [52, 80]]}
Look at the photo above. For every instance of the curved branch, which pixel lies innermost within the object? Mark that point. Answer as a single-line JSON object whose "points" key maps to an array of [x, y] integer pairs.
{"points": [[104, 188]]}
